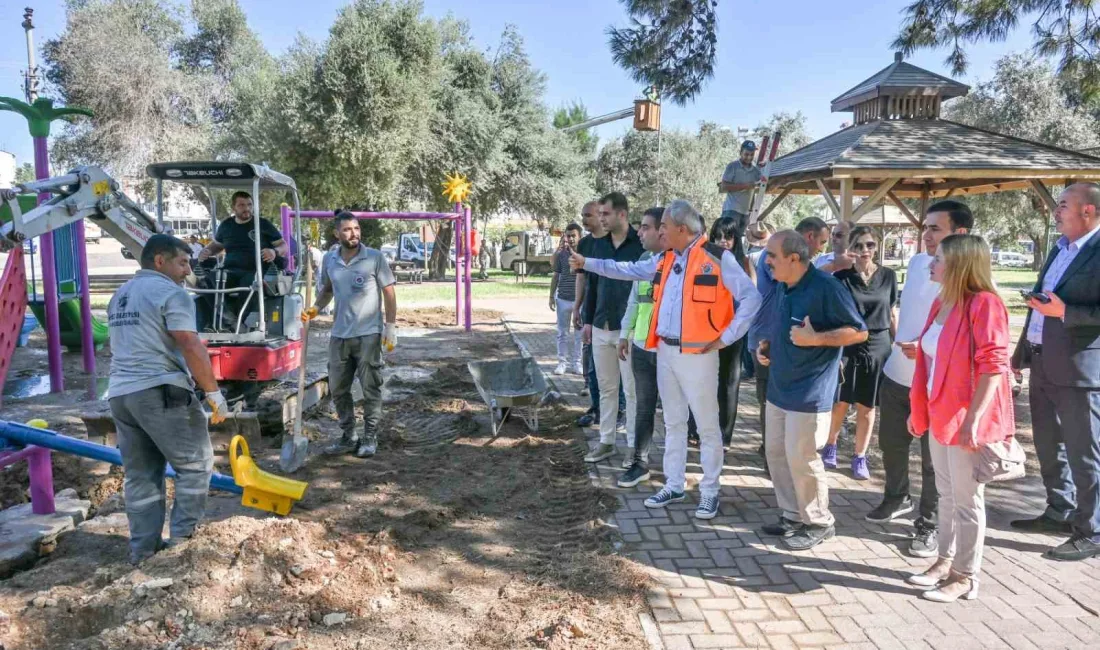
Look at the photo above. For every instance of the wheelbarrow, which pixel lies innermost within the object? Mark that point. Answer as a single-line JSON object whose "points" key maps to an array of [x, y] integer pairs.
{"points": [[512, 384]]}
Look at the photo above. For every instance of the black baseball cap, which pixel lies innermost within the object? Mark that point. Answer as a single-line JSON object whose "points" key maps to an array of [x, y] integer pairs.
{"points": [[748, 144]]}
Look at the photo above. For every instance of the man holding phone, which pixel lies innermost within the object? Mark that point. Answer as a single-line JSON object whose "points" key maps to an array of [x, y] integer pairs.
{"points": [[1061, 345], [943, 218]]}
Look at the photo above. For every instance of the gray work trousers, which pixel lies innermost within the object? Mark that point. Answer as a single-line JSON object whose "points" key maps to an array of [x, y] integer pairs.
{"points": [[158, 425], [350, 359]]}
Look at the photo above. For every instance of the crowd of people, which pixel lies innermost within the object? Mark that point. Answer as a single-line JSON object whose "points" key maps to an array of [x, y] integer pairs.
{"points": [[671, 315]]}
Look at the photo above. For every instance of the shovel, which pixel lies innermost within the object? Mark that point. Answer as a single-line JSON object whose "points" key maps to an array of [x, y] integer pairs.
{"points": [[296, 448]]}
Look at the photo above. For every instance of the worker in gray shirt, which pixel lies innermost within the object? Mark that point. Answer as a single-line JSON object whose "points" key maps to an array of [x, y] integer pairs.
{"points": [[360, 280], [157, 359], [737, 182]]}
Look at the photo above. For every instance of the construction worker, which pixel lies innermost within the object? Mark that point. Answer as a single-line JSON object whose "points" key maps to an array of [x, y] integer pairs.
{"points": [[359, 278], [157, 359], [696, 285], [738, 181], [643, 361]]}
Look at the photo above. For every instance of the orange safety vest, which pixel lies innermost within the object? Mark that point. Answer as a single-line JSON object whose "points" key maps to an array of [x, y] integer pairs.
{"points": [[707, 305]]}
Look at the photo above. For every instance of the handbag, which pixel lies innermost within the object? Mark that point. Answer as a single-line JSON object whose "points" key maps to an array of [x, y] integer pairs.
{"points": [[1003, 460]]}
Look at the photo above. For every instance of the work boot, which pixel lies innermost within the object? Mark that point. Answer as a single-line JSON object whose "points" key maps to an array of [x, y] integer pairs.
{"points": [[367, 448], [345, 445]]}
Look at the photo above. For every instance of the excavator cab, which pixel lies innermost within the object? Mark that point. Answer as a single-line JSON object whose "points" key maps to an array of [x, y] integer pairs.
{"points": [[249, 319]]}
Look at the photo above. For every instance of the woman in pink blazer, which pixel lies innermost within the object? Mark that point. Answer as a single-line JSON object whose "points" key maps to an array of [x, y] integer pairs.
{"points": [[962, 394]]}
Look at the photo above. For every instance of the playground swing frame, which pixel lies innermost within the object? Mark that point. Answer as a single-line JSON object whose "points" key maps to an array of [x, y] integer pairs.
{"points": [[463, 257]]}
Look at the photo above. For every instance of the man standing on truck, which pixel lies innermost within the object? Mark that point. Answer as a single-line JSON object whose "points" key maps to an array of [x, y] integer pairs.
{"points": [[360, 280], [157, 359]]}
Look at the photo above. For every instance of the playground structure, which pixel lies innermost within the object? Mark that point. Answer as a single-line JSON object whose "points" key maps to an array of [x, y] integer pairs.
{"points": [[456, 189], [35, 444]]}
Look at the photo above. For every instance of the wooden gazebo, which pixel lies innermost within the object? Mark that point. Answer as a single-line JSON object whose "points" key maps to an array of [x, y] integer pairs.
{"points": [[899, 147]]}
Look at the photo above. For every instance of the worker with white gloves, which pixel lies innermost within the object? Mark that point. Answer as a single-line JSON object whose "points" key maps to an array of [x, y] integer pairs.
{"points": [[157, 359], [360, 280]]}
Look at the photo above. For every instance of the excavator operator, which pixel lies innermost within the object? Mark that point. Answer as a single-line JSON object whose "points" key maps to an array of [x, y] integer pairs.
{"points": [[237, 237]]}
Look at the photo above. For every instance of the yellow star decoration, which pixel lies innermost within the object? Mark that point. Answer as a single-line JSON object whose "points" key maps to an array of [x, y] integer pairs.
{"points": [[456, 188]]}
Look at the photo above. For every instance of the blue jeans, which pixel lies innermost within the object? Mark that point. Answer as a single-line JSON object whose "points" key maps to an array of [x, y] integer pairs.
{"points": [[644, 364], [594, 386]]}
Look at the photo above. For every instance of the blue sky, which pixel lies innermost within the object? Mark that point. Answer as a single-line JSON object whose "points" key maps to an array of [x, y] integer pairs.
{"points": [[794, 55]]}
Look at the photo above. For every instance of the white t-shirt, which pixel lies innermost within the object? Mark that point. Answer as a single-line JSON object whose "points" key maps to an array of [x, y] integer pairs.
{"points": [[929, 344], [916, 301], [823, 259]]}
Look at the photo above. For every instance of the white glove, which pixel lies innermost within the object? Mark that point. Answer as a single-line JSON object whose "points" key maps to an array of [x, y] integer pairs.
{"points": [[218, 408], [389, 337]]}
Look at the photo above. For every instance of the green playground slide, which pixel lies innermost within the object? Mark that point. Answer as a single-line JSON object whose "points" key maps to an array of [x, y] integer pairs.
{"points": [[69, 313]]}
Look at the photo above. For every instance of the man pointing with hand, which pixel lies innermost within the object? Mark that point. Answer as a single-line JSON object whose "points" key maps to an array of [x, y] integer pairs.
{"points": [[815, 318], [703, 301]]}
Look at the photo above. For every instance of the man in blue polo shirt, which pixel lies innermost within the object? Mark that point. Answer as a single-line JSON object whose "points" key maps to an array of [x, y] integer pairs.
{"points": [[815, 317], [816, 233]]}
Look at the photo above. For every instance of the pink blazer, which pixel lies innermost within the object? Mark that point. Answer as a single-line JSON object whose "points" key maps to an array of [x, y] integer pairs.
{"points": [[957, 374]]}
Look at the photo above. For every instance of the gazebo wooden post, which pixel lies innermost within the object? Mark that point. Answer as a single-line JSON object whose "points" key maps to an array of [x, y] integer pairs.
{"points": [[923, 211], [775, 203], [847, 186], [875, 198]]}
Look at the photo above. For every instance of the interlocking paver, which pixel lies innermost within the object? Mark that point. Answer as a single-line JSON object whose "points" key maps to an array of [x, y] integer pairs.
{"points": [[718, 583]]}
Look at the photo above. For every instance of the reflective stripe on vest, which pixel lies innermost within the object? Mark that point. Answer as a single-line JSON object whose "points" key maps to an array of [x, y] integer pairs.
{"points": [[707, 306], [645, 312]]}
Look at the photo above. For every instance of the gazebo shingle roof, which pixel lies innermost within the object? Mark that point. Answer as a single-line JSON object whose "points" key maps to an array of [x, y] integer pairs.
{"points": [[900, 78], [925, 144]]}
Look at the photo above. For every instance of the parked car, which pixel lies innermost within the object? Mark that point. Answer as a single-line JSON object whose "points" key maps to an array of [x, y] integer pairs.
{"points": [[92, 233], [1011, 259]]}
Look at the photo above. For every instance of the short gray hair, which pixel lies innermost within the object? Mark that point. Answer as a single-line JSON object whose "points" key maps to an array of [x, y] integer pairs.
{"points": [[793, 242], [681, 213]]}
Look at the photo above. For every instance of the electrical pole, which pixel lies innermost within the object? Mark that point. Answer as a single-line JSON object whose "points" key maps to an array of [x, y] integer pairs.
{"points": [[30, 87]]}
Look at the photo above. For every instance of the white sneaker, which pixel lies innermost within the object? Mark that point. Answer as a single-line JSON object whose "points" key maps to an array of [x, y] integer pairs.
{"points": [[578, 368], [560, 370]]}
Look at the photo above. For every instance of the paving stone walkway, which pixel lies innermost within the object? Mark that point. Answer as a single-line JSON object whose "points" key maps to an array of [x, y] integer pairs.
{"points": [[718, 584]]}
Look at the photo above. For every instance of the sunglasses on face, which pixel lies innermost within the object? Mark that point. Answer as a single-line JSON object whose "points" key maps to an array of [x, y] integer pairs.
{"points": [[865, 246]]}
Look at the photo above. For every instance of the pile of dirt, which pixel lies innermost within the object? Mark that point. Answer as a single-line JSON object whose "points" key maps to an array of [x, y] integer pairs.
{"points": [[436, 317], [241, 584]]}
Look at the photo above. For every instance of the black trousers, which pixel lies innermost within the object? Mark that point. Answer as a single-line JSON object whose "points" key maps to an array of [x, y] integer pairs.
{"points": [[761, 397], [729, 384], [895, 442], [644, 365]]}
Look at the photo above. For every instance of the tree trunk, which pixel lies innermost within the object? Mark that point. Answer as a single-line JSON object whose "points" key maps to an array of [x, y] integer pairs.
{"points": [[440, 259]]}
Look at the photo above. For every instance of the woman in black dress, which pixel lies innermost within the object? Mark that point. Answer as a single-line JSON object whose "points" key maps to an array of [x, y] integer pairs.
{"points": [[875, 290]]}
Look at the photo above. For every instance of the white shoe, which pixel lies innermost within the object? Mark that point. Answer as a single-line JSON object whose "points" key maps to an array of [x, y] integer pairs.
{"points": [[578, 369], [560, 370], [628, 458]]}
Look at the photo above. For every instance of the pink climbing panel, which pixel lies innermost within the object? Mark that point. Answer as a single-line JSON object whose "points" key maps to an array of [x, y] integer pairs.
{"points": [[13, 305]]}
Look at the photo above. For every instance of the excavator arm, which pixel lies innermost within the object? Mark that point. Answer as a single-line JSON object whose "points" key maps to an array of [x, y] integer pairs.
{"points": [[84, 193]]}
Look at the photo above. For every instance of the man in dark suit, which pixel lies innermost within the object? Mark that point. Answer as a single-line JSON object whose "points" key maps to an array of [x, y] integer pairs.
{"points": [[1061, 345]]}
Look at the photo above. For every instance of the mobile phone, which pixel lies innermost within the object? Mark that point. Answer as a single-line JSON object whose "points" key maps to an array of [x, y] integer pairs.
{"points": [[1037, 295]]}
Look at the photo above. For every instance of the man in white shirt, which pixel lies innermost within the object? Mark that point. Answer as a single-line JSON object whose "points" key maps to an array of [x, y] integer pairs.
{"points": [[697, 286], [837, 259], [944, 218]]}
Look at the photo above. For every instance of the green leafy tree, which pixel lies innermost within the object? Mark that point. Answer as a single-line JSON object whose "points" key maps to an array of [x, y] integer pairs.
{"points": [[24, 173], [576, 113], [1068, 30], [670, 45], [1022, 100]]}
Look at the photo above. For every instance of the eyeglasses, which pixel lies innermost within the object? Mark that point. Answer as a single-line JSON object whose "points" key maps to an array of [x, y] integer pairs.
{"points": [[865, 246]]}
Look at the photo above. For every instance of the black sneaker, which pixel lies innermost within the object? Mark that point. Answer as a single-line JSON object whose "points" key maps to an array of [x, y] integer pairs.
{"points": [[926, 542], [633, 476], [889, 510], [783, 528], [587, 419], [1042, 524], [1074, 549], [342, 446], [808, 537]]}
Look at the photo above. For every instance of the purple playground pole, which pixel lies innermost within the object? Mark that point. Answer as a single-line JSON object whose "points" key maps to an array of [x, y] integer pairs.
{"points": [[284, 213], [466, 247], [49, 277], [458, 265], [87, 343], [40, 471]]}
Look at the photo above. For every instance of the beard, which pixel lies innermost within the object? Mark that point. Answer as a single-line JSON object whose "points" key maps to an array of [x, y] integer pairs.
{"points": [[349, 245]]}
